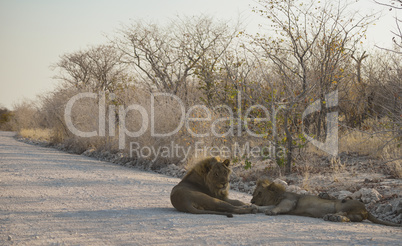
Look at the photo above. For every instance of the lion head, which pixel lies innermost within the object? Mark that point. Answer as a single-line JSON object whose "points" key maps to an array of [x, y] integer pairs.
{"points": [[267, 193], [215, 175]]}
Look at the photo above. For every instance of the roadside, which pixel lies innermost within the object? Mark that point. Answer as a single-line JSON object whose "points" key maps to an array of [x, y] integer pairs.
{"points": [[49, 197], [372, 180]]}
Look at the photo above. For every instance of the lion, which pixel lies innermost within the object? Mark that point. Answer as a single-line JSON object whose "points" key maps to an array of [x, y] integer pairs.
{"points": [[276, 200], [205, 189]]}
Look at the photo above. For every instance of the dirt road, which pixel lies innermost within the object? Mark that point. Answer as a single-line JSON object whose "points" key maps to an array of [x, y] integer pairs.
{"points": [[48, 197]]}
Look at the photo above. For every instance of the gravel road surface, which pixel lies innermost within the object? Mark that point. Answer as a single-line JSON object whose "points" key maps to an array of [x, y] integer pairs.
{"points": [[49, 197]]}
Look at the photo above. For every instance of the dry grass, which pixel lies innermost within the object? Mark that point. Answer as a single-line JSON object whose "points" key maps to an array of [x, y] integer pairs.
{"points": [[377, 140], [359, 142], [36, 134], [306, 181], [379, 145], [395, 168]]}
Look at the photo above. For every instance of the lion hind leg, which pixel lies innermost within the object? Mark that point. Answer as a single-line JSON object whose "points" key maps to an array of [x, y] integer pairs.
{"points": [[338, 217]]}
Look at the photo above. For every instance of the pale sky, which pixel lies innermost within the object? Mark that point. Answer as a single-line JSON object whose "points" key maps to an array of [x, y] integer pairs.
{"points": [[34, 34]]}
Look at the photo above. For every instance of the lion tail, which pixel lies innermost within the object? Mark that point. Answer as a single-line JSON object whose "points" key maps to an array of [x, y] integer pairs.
{"points": [[377, 221]]}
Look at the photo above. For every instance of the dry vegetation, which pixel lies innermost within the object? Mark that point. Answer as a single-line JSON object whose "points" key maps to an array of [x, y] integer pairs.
{"points": [[313, 49], [36, 134]]}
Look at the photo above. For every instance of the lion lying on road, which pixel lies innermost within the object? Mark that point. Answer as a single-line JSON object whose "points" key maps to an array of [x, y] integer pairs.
{"points": [[204, 190], [282, 202]]}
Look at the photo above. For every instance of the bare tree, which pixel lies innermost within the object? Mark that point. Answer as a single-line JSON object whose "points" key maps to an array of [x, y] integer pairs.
{"points": [[5, 118], [310, 45], [25, 115], [166, 57], [210, 66], [97, 68], [397, 39]]}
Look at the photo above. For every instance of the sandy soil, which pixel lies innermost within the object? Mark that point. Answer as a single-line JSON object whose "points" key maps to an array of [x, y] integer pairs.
{"points": [[48, 197]]}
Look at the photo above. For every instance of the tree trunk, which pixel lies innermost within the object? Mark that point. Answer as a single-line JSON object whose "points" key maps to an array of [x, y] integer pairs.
{"points": [[289, 140]]}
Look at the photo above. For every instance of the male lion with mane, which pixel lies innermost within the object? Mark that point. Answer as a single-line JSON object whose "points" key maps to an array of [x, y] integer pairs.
{"points": [[205, 190], [277, 201]]}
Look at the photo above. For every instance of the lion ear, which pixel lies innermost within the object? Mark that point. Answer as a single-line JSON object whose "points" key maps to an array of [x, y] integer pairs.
{"points": [[263, 182], [226, 162]]}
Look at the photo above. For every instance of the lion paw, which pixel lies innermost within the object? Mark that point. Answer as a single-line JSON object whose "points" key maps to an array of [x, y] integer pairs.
{"points": [[326, 196], [270, 212], [336, 218], [252, 208]]}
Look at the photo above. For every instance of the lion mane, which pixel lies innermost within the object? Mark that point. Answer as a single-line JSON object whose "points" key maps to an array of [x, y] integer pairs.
{"points": [[205, 190]]}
